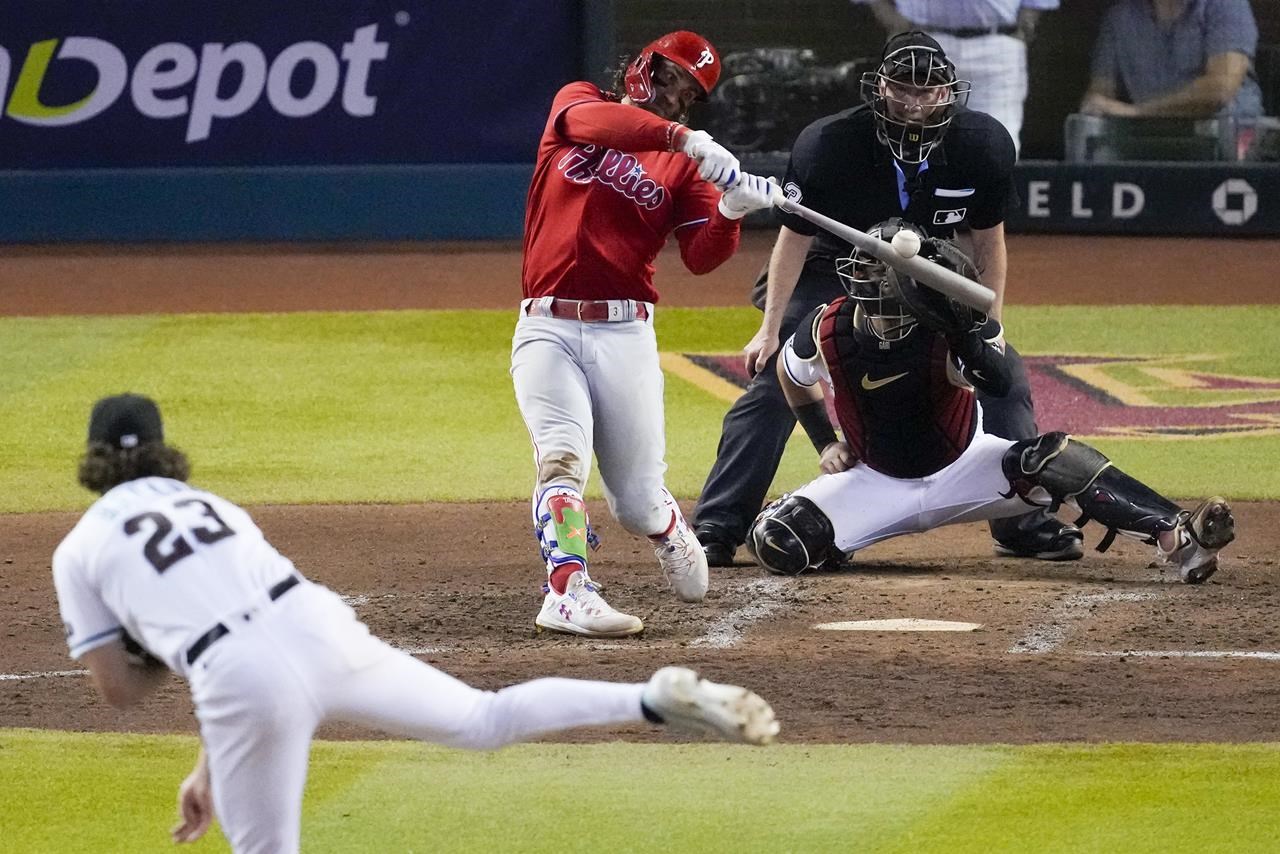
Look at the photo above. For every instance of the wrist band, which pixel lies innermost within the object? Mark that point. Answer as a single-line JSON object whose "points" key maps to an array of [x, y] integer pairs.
{"points": [[813, 418]]}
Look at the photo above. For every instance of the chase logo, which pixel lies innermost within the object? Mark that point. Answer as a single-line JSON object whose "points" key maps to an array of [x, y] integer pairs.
{"points": [[220, 81]]}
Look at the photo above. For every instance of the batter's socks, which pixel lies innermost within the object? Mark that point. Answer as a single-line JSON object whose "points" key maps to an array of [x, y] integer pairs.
{"points": [[673, 527], [563, 534], [659, 539]]}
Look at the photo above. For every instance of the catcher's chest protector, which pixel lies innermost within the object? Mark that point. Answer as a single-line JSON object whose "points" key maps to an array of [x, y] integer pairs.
{"points": [[897, 408]]}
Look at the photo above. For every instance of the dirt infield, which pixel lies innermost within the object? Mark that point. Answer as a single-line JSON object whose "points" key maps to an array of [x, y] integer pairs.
{"points": [[1107, 648]]}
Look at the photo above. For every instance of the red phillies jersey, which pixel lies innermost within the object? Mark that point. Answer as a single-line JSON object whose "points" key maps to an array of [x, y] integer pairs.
{"points": [[607, 191]]}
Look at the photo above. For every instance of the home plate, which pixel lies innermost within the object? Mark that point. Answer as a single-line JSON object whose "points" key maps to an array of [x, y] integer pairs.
{"points": [[903, 625]]}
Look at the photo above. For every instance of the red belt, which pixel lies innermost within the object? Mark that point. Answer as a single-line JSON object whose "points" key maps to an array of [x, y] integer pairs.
{"points": [[589, 311]]}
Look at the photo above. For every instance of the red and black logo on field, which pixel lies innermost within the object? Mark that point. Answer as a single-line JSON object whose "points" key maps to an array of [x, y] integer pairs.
{"points": [[1172, 397]]}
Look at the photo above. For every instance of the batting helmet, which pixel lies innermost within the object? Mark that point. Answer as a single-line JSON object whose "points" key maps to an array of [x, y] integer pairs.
{"points": [[914, 75], [688, 50]]}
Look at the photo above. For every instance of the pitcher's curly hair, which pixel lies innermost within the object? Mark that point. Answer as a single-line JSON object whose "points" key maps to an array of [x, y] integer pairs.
{"points": [[104, 466]]}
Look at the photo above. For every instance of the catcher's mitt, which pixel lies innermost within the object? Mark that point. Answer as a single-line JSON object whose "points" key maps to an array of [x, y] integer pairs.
{"points": [[135, 654], [932, 309]]}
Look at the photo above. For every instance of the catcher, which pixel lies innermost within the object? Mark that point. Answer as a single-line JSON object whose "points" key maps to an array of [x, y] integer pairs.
{"points": [[903, 361]]}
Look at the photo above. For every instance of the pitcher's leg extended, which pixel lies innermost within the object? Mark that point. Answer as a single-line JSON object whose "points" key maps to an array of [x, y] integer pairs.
{"points": [[407, 697]]}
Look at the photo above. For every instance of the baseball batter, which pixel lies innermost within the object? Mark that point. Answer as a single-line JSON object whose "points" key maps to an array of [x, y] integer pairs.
{"points": [[617, 173], [186, 581], [902, 362]]}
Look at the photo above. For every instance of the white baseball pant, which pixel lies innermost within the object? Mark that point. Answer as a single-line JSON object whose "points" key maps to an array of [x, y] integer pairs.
{"points": [[585, 387], [262, 690], [865, 506]]}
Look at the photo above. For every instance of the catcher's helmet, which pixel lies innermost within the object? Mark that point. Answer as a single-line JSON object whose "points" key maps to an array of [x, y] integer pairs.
{"points": [[686, 49], [865, 279], [913, 94]]}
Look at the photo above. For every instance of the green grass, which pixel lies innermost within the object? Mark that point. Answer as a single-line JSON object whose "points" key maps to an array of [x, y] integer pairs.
{"points": [[412, 405], [402, 796]]}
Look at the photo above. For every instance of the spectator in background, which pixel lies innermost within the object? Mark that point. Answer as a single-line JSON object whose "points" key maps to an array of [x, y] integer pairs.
{"points": [[986, 39], [1190, 58]]}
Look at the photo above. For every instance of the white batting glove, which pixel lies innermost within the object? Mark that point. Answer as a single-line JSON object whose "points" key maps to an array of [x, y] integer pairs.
{"points": [[715, 163], [752, 193]]}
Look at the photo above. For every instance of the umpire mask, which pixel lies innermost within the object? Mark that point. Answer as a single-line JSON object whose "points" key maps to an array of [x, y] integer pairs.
{"points": [[913, 94]]}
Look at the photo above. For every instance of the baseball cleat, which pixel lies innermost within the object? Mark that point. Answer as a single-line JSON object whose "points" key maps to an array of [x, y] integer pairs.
{"points": [[688, 703], [1060, 541], [581, 610], [719, 551], [683, 562], [1201, 535]]}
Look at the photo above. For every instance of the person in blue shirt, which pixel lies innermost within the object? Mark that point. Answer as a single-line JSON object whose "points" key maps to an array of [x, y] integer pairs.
{"points": [[1189, 58]]}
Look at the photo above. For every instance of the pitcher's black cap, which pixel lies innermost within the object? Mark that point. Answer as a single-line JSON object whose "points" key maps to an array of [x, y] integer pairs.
{"points": [[125, 421]]}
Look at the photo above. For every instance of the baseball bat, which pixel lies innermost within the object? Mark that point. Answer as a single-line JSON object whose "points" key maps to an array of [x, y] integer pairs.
{"points": [[967, 291]]}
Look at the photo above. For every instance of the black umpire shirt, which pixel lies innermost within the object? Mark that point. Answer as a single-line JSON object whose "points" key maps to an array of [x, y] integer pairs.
{"points": [[839, 168]]}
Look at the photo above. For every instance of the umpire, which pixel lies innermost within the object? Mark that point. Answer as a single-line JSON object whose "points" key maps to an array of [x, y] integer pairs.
{"points": [[911, 150]]}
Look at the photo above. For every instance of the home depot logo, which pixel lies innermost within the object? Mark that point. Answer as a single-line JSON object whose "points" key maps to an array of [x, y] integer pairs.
{"points": [[216, 82], [1164, 397]]}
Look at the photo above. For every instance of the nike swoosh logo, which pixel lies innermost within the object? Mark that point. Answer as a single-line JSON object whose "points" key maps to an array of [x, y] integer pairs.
{"points": [[871, 385], [978, 375]]}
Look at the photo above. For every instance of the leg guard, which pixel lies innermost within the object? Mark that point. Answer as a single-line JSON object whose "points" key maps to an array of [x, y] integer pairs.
{"points": [[561, 526], [792, 535], [1068, 470]]}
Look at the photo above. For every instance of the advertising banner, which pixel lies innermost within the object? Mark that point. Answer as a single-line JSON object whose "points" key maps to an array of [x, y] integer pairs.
{"points": [[1148, 198], [1188, 198], [156, 83]]}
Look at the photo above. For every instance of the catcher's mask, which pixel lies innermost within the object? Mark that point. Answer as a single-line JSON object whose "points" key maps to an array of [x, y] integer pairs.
{"points": [[685, 49], [913, 94], [866, 280]]}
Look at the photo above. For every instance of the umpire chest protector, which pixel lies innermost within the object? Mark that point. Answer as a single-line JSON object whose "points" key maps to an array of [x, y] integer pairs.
{"points": [[839, 168], [898, 409]]}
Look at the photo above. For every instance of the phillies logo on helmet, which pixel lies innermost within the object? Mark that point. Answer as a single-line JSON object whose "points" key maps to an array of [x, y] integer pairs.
{"points": [[686, 49]]}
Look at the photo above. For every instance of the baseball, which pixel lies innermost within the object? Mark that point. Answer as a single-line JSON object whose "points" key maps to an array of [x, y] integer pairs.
{"points": [[906, 243]]}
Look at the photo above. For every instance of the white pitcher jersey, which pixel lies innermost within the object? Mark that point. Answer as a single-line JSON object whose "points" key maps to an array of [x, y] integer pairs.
{"points": [[165, 562]]}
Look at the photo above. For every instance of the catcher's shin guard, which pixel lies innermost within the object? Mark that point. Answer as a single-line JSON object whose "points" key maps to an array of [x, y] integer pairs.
{"points": [[1069, 470], [1127, 506], [792, 535], [562, 528]]}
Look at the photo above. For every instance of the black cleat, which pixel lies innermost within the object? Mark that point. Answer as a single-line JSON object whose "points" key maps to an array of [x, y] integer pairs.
{"points": [[1054, 540], [719, 552]]}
